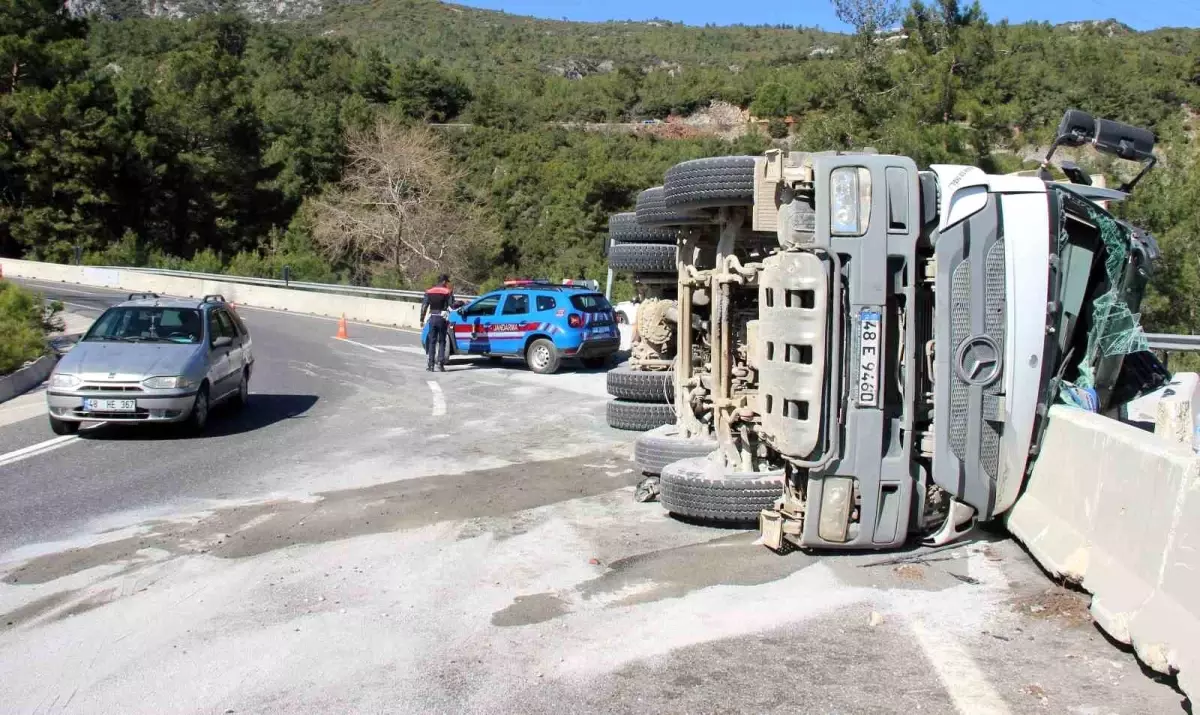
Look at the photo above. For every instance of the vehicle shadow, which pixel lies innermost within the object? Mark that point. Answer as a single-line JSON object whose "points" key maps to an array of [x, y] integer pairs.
{"points": [[569, 365], [225, 420]]}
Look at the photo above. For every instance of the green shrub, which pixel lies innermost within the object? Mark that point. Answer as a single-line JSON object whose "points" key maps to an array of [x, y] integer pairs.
{"points": [[22, 316]]}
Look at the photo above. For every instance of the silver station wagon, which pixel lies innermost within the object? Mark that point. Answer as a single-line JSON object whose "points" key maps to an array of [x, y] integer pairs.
{"points": [[150, 359]]}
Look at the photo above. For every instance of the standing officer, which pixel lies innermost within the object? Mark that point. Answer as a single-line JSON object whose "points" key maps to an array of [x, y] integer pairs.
{"points": [[438, 300]]}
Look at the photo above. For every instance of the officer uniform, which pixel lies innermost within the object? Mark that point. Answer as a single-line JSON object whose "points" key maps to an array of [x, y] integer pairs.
{"points": [[437, 302]]}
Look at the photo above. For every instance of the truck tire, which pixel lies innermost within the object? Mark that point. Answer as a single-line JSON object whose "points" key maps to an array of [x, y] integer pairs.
{"points": [[710, 183], [641, 385], [652, 210], [642, 258], [697, 488], [624, 228], [659, 447], [639, 416]]}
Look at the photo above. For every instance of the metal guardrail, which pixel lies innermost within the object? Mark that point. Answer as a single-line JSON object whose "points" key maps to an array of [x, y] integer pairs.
{"points": [[388, 293], [1174, 343]]}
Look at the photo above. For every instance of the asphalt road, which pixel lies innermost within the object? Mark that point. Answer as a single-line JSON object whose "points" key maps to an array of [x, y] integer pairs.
{"points": [[367, 537], [324, 414]]}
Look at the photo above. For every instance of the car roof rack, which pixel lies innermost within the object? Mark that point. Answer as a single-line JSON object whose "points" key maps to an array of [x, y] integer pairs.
{"points": [[142, 296], [213, 298]]}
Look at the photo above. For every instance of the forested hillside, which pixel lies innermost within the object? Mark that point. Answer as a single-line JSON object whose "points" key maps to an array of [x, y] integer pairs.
{"points": [[220, 142]]}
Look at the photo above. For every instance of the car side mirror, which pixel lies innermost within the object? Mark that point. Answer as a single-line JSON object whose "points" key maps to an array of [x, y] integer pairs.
{"points": [[222, 342], [458, 304]]}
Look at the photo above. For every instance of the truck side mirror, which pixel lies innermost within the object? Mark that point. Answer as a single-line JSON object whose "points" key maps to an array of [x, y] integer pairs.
{"points": [[1124, 141]]}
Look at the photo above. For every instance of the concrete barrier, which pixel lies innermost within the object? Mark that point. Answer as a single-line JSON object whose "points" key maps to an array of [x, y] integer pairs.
{"points": [[1117, 510], [402, 314], [27, 378]]}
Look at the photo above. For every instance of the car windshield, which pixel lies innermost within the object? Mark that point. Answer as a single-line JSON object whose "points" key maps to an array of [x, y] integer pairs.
{"points": [[590, 302], [134, 324]]}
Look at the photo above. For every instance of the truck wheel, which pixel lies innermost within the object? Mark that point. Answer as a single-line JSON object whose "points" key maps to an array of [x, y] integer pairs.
{"points": [[642, 258], [710, 183], [639, 416], [698, 488], [542, 357], [659, 447], [641, 385], [63, 427], [624, 228], [652, 210]]}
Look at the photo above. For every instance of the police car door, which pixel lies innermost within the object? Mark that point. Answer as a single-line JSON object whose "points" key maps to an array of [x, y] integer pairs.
{"points": [[509, 329], [471, 335]]}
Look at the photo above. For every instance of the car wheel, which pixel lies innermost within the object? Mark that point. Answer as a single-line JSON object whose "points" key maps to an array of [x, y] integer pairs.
{"points": [[63, 427], [197, 419], [542, 357], [243, 394]]}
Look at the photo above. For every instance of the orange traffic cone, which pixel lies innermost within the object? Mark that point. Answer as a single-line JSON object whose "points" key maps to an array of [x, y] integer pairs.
{"points": [[341, 335]]}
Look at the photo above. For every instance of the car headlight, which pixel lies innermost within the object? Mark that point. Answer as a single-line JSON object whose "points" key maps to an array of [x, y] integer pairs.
{"points": [[175, 382], [849, 201], [59, 379]]}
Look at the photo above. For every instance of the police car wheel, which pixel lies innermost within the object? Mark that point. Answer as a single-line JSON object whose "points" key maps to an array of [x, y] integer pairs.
{"points": [[699, 489], [542, 357], [639, 416]]}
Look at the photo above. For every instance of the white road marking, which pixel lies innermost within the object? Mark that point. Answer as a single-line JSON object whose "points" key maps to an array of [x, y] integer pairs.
{"points": [[965, 684], [35, 449], [403, 349], [361, 345], [439, 398]]}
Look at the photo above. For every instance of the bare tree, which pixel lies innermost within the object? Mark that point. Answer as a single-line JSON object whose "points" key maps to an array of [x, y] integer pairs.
{"points": [[867, 16], [396, 209]]}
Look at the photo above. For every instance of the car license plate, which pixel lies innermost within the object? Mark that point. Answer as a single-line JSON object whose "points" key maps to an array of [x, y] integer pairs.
{"points": [[110, 405], [869, 357]]}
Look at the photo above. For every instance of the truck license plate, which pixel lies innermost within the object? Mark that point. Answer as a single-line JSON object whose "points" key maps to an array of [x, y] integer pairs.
{"points": [[110, 405], [869, 357]]}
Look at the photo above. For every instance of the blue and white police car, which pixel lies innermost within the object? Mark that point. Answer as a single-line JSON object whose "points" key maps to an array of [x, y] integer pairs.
{"points": [[537, 320]]}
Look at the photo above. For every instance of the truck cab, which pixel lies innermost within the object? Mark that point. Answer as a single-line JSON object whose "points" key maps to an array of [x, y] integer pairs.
{"points": [[891, 337]]}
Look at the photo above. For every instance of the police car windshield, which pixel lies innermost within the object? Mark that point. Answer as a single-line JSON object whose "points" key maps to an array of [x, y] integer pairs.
{"points": [[590, 302]]}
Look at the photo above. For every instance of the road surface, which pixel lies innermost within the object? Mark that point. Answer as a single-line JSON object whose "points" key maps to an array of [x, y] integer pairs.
{"points": [[371, 538]]}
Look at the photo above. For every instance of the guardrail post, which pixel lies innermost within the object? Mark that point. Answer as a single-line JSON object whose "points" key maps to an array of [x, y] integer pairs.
{"points": [[287, 275]]}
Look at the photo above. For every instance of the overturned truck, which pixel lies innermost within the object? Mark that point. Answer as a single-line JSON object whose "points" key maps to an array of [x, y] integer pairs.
{"points": [[856, 352]]}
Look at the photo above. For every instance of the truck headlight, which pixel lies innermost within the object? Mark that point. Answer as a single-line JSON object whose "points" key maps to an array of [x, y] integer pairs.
{"points": [[849, 201], [64, 381], [174, 382]]}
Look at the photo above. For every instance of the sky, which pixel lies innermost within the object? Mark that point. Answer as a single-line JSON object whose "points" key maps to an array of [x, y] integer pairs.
{"points": [[1145, 15]]}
